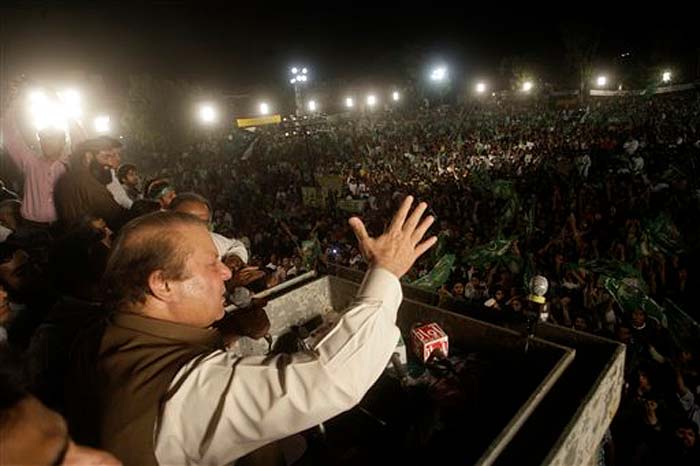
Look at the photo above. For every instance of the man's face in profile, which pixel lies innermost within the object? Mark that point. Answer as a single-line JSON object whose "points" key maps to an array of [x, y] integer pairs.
{"points": [[198, 300]]}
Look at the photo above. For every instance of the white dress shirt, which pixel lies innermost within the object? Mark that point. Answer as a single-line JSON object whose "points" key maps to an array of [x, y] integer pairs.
{"points": [[227, 246], [268, 399], [118, 192]]}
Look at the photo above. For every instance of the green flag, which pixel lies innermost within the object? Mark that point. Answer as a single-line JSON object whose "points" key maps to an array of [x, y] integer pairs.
{"points": [[438, 276], [496, 252]]}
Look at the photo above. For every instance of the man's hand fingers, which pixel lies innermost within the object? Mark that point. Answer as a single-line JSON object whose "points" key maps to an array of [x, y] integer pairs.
{"points": [[359, 229], [424, 246], [415, 217], [400, 217], [249, 268], [422, 228]]}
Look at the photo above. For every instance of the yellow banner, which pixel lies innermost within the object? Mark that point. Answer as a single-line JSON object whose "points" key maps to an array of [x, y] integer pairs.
{"points": [[260, 121]]}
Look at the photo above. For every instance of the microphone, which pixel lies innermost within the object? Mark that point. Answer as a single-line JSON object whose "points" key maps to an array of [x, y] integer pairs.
{"points": [[429, 339], [536, 309]]}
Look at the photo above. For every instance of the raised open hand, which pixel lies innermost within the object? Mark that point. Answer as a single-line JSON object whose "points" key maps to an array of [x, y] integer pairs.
{"points": [[401, 244]]}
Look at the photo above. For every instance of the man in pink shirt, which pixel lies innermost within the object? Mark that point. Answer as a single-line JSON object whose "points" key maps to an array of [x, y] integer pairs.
{"points": [[40, 172]]}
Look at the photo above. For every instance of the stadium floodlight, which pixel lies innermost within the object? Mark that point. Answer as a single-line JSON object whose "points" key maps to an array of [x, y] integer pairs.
{"points": [[527, 86], [371, 100], [349, 103], [395, 96], [207, 114], [481, 88], [602, 81], [299, 74], [312, 105], [102, 124], [45, 112], [70, 98], [293, 81], [666, 76], [264, 108], [439, 74]]}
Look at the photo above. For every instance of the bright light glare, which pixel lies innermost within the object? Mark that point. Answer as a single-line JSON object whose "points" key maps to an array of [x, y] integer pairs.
{"points": [[46, 113], [349, 102], [304, 71], [439, 74], [264, 108], [527, 86], [37, 97], [666, 76], [312, 105], [371, 100], [71, 102], [481, 88], [295, 70], [207, 113], [395, 96], [602, 81], [102, 124], [293, 81]]}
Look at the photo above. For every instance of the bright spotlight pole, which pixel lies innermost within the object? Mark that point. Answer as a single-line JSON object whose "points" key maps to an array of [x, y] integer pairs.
{"points": [[299, 77], [439, 76]]}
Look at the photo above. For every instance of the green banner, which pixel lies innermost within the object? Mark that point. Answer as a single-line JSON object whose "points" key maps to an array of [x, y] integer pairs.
{"points": [[496, 252], [438, 276]]}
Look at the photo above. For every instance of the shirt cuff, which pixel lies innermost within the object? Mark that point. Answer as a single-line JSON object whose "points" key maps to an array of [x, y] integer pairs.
{"points": [[381, 285]]}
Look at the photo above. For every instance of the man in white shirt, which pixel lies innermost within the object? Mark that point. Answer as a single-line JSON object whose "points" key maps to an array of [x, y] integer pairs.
{"points": [[206, 406], [194, 204], [112, 159]]}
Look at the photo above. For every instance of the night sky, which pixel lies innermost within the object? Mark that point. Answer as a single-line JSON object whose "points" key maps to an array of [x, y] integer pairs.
{"points": [[236, 48]]}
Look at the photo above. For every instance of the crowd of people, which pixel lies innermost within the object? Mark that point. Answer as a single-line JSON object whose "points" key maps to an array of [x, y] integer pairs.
{"points": [[598, 197]]}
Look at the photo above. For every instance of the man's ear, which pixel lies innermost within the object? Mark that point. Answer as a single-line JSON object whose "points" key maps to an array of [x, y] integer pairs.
{"points": [[160, 287]]}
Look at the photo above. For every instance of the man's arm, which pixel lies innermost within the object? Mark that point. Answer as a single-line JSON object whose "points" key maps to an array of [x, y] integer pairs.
{"points": [[105, 207], [274, 398], [77, 134], [262, 400], [119, 193], [17, 149]]}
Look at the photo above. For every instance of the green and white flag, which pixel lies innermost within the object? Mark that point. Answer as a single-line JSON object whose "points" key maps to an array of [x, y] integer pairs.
{"points": [[438, 276]]}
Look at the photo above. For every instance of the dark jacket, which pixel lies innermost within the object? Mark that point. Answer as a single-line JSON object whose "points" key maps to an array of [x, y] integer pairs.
{"points": [[78, 193]]}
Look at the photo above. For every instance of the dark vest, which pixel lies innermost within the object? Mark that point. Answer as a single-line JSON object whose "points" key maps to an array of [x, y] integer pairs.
{"points": [[137, 362], [138, 359]]}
